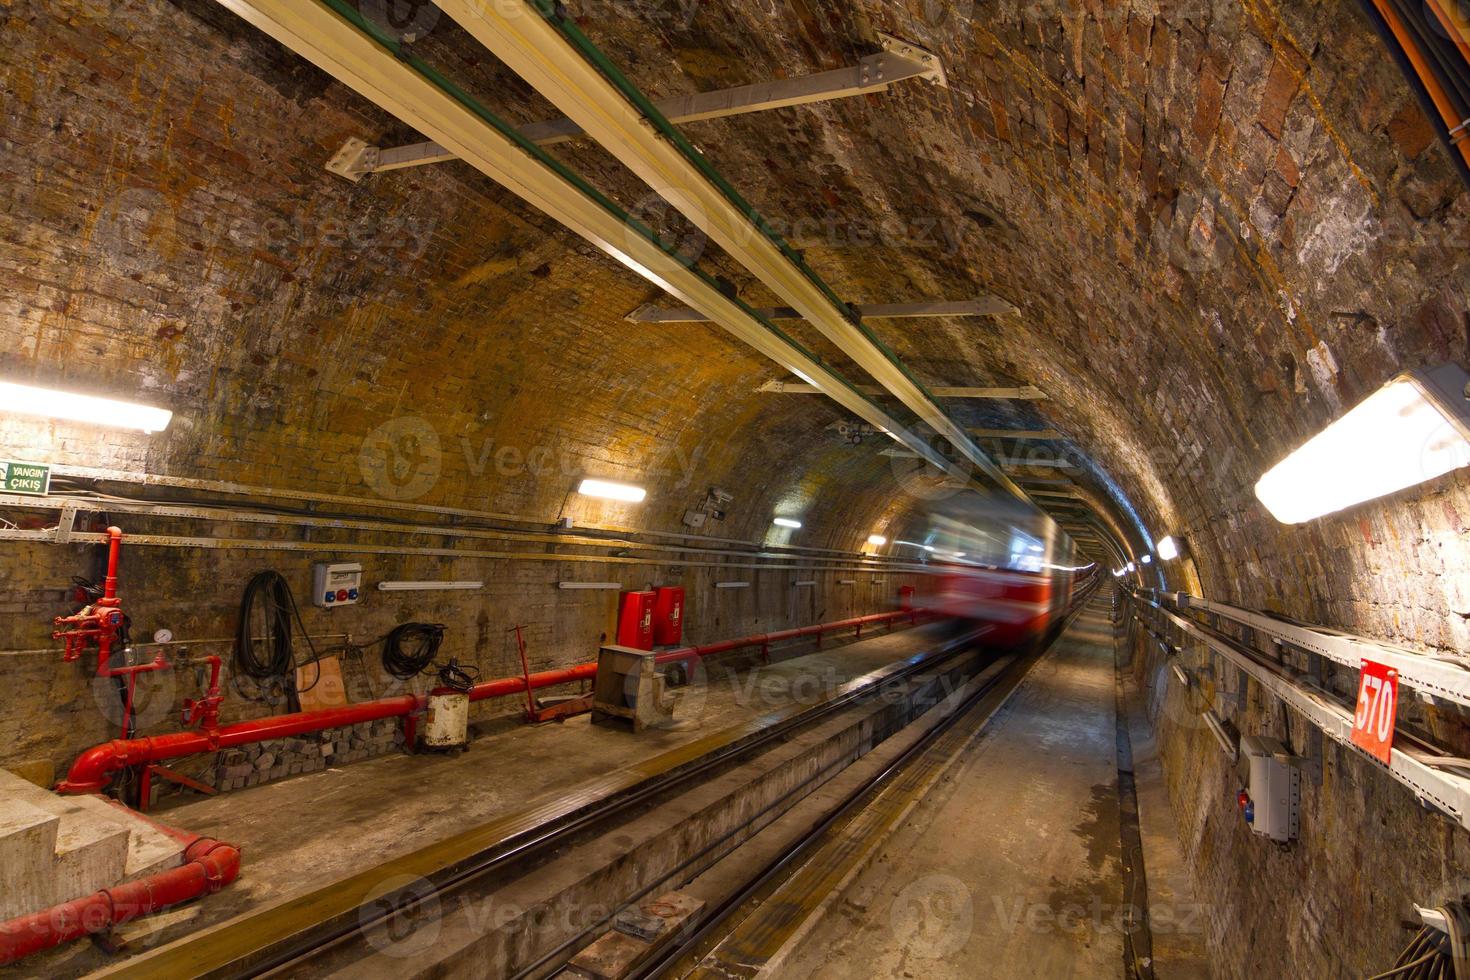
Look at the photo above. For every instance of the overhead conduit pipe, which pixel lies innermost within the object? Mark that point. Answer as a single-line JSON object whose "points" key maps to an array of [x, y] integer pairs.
{"points": [[95, 768], [1434, 60]]}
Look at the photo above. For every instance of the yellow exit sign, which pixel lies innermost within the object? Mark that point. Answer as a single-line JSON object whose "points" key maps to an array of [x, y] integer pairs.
{"points": [[28, 478]]}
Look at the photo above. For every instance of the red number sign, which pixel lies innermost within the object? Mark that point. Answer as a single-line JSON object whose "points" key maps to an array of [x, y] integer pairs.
{"points": [[1378, 706]]}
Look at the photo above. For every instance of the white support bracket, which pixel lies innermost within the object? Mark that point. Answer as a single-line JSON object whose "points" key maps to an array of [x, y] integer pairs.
{"points": [[899, 61], [980, 306]]}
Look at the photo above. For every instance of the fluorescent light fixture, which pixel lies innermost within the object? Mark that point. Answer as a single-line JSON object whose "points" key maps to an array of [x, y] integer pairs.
{"points": [[47, 403], [847, 581], [1413, 429], [1146, 559], [1179, 673], [807, 584], [877, 540], [570, 586], [732, 585], [787, 522], [612, 491], [1132, 567], [1168, 549], [465, 586]]}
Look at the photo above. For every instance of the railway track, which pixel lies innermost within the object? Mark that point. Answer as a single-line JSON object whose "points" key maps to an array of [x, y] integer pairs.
{"points": [[416, 915]]}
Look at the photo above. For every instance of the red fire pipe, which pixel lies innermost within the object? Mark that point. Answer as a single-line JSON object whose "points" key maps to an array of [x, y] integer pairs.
{"points": [[94, 768], [209, 865]]}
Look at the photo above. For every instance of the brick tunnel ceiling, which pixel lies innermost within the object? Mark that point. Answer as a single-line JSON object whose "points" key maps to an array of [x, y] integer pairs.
{"points": [[1222, 223]]}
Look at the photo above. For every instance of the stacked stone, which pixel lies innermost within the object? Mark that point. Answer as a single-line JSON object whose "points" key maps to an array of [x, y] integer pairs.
{"points": [[263, 762]]}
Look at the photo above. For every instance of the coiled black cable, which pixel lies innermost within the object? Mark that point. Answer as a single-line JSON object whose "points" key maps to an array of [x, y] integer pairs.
{"points": [[265, 648], [456, 677], [410, 649]]}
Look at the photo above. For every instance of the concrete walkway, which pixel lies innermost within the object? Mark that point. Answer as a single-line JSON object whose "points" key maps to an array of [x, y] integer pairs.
{"points": [[1012, 866]]}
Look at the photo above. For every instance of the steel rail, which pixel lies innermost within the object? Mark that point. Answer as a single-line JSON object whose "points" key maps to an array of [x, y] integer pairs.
{"points": [[288, 932]]}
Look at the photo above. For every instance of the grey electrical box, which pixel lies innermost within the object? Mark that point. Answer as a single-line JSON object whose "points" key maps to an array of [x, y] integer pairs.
{"points": [[1272, 778]]}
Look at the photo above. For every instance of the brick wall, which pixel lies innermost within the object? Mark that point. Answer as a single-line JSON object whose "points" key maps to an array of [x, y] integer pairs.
{"points": [[1224, 221]]}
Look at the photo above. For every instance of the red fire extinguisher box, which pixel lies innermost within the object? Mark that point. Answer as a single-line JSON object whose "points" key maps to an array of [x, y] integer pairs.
{"points": [[668, 616], [635, 621]]}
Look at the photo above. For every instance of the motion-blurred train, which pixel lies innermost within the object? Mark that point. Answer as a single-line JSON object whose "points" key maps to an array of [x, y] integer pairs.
{"points": [[997, 564]]}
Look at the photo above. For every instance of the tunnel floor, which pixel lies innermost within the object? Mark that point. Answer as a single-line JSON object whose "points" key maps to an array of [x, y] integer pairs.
{"points": [[1013, 864], [311, 830]]}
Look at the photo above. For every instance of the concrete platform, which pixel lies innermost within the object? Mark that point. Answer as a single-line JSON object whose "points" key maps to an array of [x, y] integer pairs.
{"points": [[1012, 866], [304, 832]]}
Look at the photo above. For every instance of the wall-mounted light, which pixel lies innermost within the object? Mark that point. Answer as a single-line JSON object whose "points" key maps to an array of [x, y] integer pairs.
{"points": [[877, 540], [457, 586], [1132, 567], [612, 491], [787, 522], [47, 403], [1413, 429], [1168, 549], [1118, 572], [589, 586], [732, 585], [1146, 559]]}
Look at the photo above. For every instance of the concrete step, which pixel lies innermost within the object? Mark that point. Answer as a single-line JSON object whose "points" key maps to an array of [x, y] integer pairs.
{"points": [[150, 850], [27, 846], [85, 853]]}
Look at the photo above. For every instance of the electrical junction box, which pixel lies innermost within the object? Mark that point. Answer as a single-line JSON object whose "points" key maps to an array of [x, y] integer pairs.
{"points": [[336, 585], [1273, 789]]}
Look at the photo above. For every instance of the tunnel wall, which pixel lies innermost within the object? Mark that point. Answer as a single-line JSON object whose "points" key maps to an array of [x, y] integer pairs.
{"points": [[170, 231]]}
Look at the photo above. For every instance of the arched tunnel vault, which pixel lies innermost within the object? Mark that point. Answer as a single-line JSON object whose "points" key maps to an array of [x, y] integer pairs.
{"points": [[1222, 223]]}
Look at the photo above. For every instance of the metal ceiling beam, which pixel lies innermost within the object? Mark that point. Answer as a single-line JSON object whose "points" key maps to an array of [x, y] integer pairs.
{"points": [[980, 306], [542, 52], [1025, 393], [898, 62], [1040, 435], [327, 37]]}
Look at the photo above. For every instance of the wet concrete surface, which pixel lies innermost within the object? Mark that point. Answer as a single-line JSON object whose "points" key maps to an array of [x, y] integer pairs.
{"points": [[1012, 865]]}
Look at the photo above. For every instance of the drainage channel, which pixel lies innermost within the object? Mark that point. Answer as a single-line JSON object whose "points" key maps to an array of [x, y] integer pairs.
{"points": [[407, 915]]}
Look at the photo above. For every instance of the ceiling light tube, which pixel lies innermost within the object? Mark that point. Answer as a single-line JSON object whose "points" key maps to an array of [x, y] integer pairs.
{"points": [[877, 540], [732, 585], [464, 586], [1411, 430], [17, 399], [608, 490], [1146, 559], [787, 522], [807, 584], [1168, 549], [589, 585]]}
